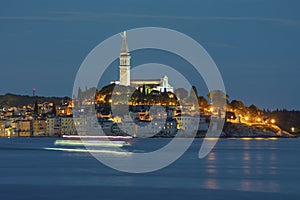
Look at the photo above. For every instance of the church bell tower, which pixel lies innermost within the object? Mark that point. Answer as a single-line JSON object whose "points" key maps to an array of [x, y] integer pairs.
{"points": [[124, 63]]}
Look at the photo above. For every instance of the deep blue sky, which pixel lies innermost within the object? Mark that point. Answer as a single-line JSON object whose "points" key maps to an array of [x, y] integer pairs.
{"points": [[255, 43]]}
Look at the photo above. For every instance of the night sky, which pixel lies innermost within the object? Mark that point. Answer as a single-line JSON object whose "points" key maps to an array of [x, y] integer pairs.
{"points": [[255, 43]]}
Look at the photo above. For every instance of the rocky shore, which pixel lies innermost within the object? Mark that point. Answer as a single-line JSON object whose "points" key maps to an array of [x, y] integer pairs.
{"points": [[239, 130]]}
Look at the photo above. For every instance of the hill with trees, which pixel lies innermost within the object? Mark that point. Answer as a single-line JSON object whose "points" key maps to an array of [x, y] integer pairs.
{"points": [[287, 120], [14, 100]]}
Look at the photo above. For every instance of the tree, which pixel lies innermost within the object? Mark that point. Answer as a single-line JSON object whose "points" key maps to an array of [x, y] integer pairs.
{"points": [[194, 91], [79, 95], [202, 102], [254, 110], [218, 98], [36, 109], [230, 115], [237, 104], [181, 93], [193, 98], [54, 109], [217, 94]]}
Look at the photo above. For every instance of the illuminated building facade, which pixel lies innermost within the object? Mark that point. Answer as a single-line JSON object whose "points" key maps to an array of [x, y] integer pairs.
{"points": [[124, 63], [160, 84]]}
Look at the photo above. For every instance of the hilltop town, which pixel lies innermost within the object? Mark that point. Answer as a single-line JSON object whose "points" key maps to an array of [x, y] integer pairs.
{"points": [[134, 100], [55, 119]]}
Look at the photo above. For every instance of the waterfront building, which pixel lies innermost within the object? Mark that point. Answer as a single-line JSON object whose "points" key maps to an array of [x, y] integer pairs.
{"points": [[10, 128], [67, 126], [2, 128], [39, 127], [23, 128], [53, 126], [187, 122], [82, 125], [170, 128]]}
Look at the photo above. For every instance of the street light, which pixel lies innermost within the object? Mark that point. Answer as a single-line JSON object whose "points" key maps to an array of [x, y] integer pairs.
{"points": [[258, 119], [293, 129], [273, 121]]}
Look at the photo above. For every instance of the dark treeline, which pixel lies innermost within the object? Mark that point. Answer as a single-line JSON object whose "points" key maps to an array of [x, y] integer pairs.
{"points": [[14, 100], [286, 119]]}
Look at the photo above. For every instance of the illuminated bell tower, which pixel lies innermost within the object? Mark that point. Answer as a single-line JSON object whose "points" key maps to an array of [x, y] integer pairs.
{"points": [[124, 63]]}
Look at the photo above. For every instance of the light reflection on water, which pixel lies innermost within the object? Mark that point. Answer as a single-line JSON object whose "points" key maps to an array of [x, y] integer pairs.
{"points": [[212, 184], [269, 166], [250, 168]]}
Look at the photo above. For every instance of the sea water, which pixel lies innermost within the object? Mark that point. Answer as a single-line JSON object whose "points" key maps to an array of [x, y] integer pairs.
{"points": [[30, 168]]}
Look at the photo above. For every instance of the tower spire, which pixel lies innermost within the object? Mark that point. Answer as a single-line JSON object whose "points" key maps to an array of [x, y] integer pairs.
{"points": [[124, 62], [125, 49]]}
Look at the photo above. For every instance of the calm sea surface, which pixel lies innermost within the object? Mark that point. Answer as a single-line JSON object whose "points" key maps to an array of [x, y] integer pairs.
{"points": [[236, 169]]}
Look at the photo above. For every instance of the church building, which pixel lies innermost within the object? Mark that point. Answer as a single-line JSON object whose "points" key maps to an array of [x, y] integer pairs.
{"points": [[160, 84]]}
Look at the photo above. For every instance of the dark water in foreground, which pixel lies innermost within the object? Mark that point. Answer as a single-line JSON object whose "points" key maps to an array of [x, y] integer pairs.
{"points": [[235, 169]]}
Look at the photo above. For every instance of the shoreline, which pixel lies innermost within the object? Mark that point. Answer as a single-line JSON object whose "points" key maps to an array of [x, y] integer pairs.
{"points": [[160, 137]]}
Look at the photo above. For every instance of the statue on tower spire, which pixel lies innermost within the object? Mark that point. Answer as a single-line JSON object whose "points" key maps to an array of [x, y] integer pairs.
{"points": [[125, 49]]}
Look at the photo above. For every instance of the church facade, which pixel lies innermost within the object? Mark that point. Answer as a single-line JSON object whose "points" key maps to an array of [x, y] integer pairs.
{"points": [[160, 84]]}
